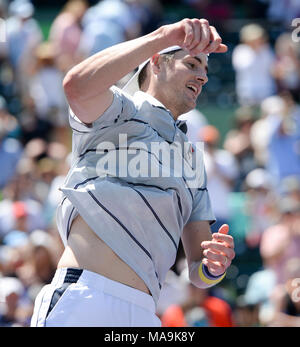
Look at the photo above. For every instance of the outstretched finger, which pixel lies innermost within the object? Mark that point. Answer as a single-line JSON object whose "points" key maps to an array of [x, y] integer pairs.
{"points": [[221, 49]]}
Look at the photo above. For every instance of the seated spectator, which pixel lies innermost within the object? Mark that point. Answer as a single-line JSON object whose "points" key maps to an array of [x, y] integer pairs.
{"points": [[261, 130], [40, 265], [257, 297], [65, 33], [107, 23], [238, 143], [286, 69], [10, 148], [15, 214], [281, 242], [51, 104], [13, 252], [11, 290], [252, 61], [283, 147], [23, 36]]}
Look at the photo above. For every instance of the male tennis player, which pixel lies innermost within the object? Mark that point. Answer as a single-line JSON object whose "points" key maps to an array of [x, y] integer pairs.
{"points": [[121, 219]]}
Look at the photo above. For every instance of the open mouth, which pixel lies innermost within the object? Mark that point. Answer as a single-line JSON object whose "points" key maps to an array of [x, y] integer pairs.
{"points": [[193, 88]]}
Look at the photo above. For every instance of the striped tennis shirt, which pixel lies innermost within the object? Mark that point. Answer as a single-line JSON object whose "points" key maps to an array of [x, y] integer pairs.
{"points": [[135, 201]]}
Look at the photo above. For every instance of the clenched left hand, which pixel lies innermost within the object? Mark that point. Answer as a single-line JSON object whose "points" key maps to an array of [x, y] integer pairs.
{"points": [[219, 252]]}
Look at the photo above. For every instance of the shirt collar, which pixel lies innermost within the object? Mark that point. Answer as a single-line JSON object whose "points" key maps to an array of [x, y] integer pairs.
{"points": [[145, 96], [161, 120]]}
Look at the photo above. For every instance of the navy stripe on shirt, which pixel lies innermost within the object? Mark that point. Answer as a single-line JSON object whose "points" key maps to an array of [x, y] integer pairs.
{"points": [[119, 222], [156, 217]]}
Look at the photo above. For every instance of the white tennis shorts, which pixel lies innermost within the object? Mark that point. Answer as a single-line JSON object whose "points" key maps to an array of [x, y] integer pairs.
{"points": [[83, 298]]}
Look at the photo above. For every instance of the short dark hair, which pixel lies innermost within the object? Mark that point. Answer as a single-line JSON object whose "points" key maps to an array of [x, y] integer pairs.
{"points": [[143, 74]]}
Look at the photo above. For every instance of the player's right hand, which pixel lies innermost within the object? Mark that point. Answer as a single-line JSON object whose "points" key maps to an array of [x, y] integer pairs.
{"points": [[196, 36]]}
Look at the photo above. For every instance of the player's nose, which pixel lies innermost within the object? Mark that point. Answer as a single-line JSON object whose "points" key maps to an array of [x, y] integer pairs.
{"points": [[202, 78]]}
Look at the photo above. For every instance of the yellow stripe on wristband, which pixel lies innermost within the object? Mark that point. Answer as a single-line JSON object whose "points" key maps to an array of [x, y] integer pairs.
{"points": [[208, 280]]}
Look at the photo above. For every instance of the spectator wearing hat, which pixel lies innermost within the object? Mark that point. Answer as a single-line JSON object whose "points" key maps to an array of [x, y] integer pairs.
{"points": [[50, 103], [257, 298], [24, 216]]}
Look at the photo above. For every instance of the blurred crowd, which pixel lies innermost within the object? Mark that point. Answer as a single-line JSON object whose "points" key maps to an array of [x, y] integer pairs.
{"points": [[253, 173]]}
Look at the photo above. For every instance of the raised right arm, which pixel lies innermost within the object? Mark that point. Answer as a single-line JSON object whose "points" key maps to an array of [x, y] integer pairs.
{"points": [[87, 84]]}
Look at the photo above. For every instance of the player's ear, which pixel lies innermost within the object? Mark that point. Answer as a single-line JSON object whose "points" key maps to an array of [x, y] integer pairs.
{"points": [[155, 63]]}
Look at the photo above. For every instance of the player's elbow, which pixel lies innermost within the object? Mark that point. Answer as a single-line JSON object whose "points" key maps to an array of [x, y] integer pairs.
{"points": [[70, 86]]}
